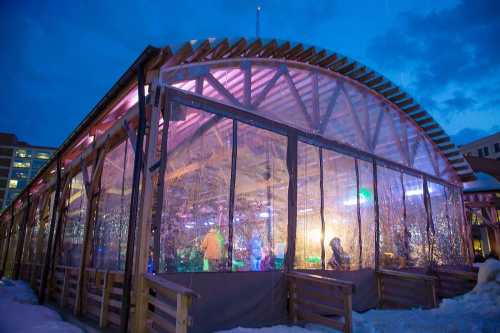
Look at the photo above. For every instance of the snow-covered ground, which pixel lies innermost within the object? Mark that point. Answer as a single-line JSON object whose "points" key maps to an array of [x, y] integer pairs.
{"points": [[20, 313], [476, 311]]}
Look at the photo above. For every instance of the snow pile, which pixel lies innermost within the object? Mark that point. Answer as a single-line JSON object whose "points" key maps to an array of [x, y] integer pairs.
{"points": [[476, 311], [20, 313]]}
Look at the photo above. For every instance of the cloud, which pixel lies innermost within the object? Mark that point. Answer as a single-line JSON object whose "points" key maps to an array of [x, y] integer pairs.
{"points": [[468, 134], [452, 56]]}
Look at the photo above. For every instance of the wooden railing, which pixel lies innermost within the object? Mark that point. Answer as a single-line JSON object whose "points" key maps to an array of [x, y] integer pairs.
{"points": [[397, 289], [168, 305], [102, 293], [453, 283], [322, 300]]}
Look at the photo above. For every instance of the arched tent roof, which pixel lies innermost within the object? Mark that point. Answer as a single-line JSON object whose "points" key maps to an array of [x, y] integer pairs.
{"points": [[294, 55], [221, 64]]}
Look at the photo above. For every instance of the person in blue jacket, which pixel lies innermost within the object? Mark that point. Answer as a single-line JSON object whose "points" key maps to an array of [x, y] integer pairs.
{"points": [[255, 251]]}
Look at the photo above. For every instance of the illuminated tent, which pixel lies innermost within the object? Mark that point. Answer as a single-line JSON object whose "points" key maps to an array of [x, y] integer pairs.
{"points": [[276, 156]]}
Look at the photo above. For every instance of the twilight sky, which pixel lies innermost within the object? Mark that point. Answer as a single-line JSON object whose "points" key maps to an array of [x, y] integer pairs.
{"points": [[59, 58]]}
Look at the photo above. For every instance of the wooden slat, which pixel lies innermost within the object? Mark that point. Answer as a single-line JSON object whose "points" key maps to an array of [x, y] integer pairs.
{"points": [[164, 324], [168, 309], [314, 318]]}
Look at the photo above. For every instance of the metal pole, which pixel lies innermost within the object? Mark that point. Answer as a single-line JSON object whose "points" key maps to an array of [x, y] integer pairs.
{"points": [[377, 216], [322, 208], [20, 243], [232, 187], [358, 213], [291, 163], [134, 204], [257, 22], [46, 262]]}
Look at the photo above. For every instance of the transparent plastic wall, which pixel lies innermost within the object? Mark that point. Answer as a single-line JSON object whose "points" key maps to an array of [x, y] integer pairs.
{"points": [[415, 222], [45, 229], [346, 246], [342, 250], [194, 225], [195, 219], [367, 212], [261, 200], [308, 240], [74, 224], [393, 235], [111, 225], [447, 225]]}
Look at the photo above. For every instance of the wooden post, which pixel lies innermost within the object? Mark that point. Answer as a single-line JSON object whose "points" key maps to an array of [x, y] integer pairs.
{"points": [[347, 312], [379, 289], [4, 262], [293, 300], [144, 209], [20, 240], [89, 226], [64, 287], [181, 322], [46, 262], [106, 289], [434, 301], [161, 185]]}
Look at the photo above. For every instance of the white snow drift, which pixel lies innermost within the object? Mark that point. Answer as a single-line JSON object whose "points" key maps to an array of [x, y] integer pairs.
{"points": [[476, 311], [20, 313]]}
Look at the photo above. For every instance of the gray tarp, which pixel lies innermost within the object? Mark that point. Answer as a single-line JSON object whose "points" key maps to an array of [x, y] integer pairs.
{"points": [[248, 299]]}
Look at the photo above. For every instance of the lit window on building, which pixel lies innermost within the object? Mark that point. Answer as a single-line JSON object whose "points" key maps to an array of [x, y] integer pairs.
{"points": [[42, 155], [23, 153], [19, 174], [18, 164], [13, 183]]}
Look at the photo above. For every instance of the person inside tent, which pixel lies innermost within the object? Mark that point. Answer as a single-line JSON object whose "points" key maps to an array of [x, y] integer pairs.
{"points": [[255, 248], [339, 260], [212, 247]]}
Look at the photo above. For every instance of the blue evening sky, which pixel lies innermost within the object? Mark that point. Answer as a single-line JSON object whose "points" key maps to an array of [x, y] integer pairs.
{"points": [[58, 58]]}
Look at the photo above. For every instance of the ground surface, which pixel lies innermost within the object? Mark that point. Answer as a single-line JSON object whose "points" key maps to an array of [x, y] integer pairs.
{"points": [[476, 311], [20, 313]]}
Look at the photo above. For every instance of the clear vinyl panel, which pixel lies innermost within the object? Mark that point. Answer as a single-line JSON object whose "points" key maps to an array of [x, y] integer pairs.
{"points": [[342, 251], [393, 248], [76, 212], [194, 222], [445, 229], [458, 239], [46, 219], [415, 224], [308, 236], [111, 226], [367, 212], [261, 200]]}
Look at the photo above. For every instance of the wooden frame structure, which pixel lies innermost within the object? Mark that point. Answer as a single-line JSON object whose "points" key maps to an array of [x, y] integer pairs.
{"points": [[243, 82]]}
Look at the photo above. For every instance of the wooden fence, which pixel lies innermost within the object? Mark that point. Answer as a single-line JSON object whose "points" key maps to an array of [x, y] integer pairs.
{"points": [[452, 283], [397, 289], [168, 305], [321, 300]]}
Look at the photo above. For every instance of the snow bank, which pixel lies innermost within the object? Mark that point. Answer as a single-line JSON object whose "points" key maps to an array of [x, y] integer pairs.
{"points": [[476, 311], [20, 313]]}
